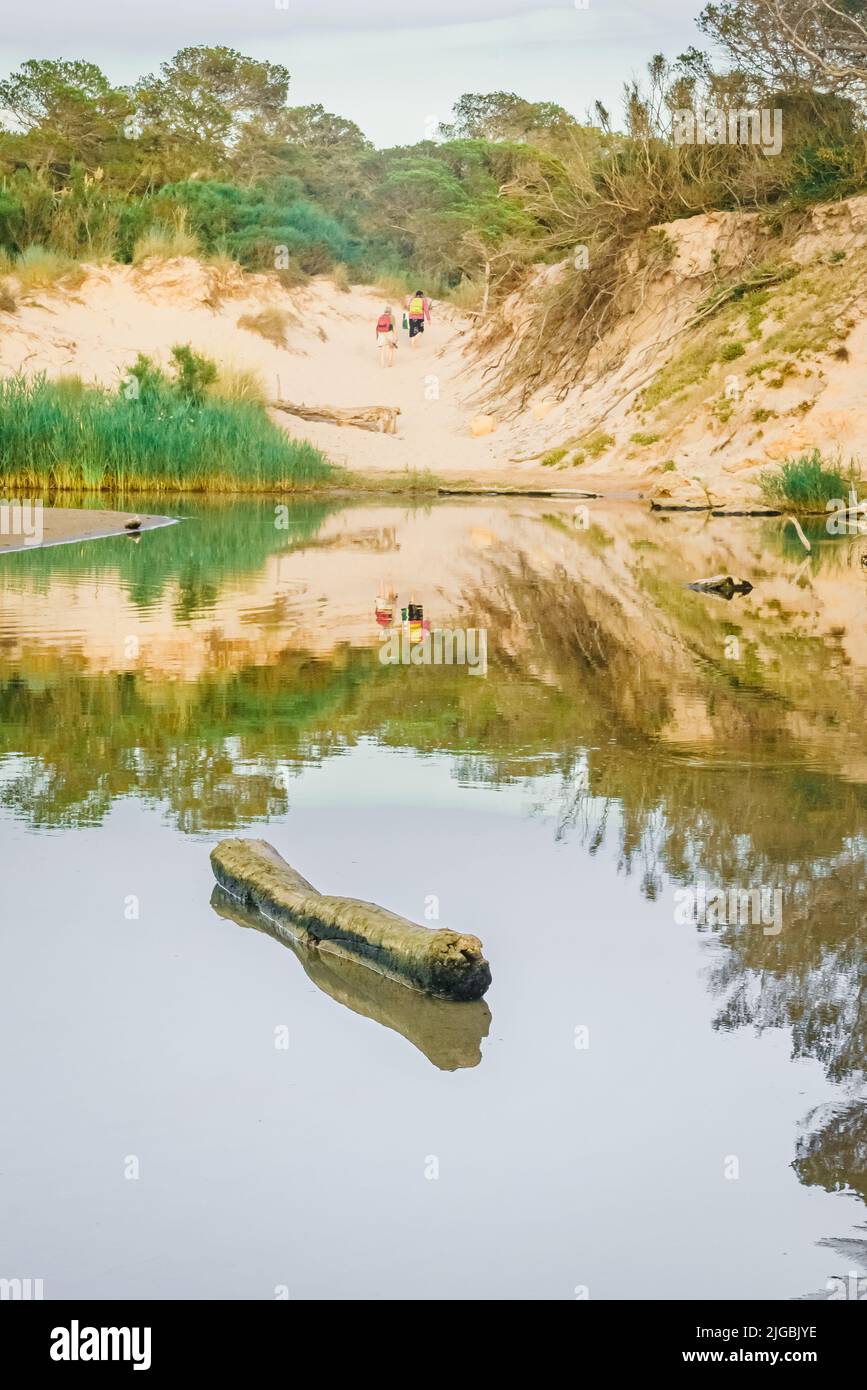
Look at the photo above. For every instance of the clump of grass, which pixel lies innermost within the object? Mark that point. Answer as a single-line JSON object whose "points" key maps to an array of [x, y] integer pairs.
{"points": [[157, 438], [237, 384], [395, 287], [729, 351], [270, 323], [805, 483], [340, 277], [292, 275], [8, 302], [684, 370], [596, 444], [553, 457], [760, 415], [224, 278], [669, 466], [164, 243], [644, 437], [37, 268], [467, 296]]}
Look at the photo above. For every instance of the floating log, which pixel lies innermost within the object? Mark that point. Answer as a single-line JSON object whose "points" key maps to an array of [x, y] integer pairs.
{"points": [[448, 1034], [380, 418], [443, 963]]}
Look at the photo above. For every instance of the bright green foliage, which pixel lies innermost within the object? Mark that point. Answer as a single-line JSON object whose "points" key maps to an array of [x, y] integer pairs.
{"points": [[161, 437], [805, 483]]}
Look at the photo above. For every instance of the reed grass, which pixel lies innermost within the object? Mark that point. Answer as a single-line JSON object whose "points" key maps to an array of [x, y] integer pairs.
{"points": [[93, 440], [807, 483], [38, 268], [165, 243]]}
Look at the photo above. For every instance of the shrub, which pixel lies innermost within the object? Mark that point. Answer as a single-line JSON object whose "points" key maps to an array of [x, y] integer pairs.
{"points": [[643, 437], [805, 483], [194, 373], [550, 460], [729, 351], [252, 222]]}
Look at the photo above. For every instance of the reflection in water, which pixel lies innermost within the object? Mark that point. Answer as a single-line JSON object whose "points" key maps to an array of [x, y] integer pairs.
{"points": [[713, 743], [449, 1034]]}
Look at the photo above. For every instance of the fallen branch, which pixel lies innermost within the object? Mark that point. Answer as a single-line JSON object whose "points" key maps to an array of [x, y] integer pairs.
{"points": [[381, 418]]}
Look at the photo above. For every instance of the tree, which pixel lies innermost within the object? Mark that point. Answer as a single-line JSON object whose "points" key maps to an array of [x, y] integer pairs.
{"points": [[64, 109], [794, 43], [204, 99], [506, 116]]}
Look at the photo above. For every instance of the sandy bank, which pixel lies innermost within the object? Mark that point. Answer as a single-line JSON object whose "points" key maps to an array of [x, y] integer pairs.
{"points": [[21, 529]]}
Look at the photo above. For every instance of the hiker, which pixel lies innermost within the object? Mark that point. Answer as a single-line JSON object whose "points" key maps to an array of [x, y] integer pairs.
{"points": [[417, 309], [386, 337]]}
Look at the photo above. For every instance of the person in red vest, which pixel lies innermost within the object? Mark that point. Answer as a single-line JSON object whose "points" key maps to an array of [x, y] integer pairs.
{"points": [[386, 338]]}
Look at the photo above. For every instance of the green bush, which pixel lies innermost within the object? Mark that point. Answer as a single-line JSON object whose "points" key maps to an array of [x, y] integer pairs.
{"points": [[729, 351], [251, 223], [157, 437], [805, 483]]}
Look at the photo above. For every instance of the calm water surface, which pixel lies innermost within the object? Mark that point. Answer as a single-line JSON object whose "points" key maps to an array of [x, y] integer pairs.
{"points": [[644, 1106]]}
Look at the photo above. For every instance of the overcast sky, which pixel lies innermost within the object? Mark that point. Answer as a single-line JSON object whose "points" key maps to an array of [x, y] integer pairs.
{"points": [[394, 66]]}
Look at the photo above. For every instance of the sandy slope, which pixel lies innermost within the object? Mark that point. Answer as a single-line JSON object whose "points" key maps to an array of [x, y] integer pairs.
{"points": [[799, 380], [97, 329]]}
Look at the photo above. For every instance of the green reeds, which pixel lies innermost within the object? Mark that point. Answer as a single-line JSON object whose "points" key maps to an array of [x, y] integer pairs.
{"points": [[807, 483], [63, 436]]}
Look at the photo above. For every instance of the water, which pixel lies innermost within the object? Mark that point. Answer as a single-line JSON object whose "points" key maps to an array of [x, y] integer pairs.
{"points": [[643, 1106]]}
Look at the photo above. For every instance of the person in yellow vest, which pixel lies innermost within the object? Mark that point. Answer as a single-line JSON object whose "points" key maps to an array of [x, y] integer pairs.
{"points": [[417, 309]]}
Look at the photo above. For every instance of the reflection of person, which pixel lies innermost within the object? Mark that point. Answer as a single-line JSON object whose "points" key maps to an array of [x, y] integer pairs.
{"points": [[385, 606], [386, 337], [418, 309], [413, 616]]}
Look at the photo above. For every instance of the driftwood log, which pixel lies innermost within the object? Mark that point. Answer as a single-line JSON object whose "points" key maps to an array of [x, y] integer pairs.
{"points": [[381, 418], [722, 584], [443, 963], [449, 1034]]}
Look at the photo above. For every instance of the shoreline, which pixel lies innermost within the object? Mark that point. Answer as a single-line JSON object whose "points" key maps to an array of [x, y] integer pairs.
{"points": [[71, 525], [74, 525]]}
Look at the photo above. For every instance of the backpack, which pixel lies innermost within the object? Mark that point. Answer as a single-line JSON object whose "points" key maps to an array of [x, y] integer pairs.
{"points": [[385, 323], [416, 307]]}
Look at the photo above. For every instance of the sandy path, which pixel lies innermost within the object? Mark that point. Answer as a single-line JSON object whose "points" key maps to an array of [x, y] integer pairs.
{"points": [[330, 357]]}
